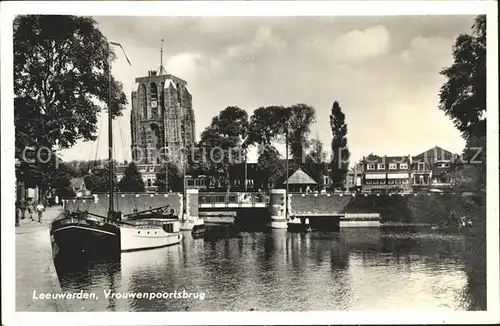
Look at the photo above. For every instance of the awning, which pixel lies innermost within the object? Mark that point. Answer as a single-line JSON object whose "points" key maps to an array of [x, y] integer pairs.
{"points": [[398, 176], [377, 176]]}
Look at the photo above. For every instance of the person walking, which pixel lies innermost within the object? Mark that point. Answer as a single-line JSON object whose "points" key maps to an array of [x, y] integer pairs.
{"points": [[30, 208], [39, 209]]}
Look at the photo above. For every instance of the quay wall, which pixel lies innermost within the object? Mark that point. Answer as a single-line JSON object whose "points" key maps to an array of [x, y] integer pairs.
{"points": [[317, 203], [395, 208], [408, 208], [125, 203]]}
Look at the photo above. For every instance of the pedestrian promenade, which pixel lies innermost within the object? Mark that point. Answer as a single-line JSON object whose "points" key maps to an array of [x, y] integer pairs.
{"points": [[35, 270]]}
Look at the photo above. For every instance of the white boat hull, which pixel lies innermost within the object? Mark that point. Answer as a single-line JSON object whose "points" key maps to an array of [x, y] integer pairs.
{"points": [[132, 238]]}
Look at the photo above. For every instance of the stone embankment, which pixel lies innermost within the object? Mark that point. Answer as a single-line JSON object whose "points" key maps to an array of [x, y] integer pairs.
{"points": [[35, 270]]}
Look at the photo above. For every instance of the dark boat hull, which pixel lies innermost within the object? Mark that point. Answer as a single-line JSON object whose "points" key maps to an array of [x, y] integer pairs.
{"points": [[198, 231], [83, 236], [296, 227]]}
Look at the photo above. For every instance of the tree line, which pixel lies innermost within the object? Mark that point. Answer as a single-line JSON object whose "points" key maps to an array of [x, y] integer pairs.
{"points": [[61, 66], [233, 131]]}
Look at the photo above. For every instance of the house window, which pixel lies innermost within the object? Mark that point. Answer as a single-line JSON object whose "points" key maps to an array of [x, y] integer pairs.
{"points": [[375, 182], [393, 166], [380, 166], [403, 166], [382, 182], [404, 181], [370, 167], [391, 182], [421, 166], [398, 182], [368, 182]]}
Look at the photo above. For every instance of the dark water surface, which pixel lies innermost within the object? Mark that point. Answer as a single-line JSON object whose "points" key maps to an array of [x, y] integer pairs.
{"points": [[358, 269]]}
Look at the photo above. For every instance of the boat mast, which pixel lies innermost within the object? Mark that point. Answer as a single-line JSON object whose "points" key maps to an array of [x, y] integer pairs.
{"points": [[111, 210], [110, 138], [161, 72]]}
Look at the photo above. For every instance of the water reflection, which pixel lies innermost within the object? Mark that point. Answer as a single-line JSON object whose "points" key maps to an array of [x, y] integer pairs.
{"points": [[276, 270]]}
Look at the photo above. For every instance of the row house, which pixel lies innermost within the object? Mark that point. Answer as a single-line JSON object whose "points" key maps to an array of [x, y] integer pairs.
{"points": [[386, 173], [431, 168], [354, 177], [428, 170]]}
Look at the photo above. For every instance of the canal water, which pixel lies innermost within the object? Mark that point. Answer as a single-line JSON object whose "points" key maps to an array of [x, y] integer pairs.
{"points": [[357, 269]]}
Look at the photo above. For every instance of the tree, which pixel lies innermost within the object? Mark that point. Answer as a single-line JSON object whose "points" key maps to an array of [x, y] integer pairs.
{"points": [[270, 166], [299, 127], [315, 164], [175, 179], [266, 124], [132, 180], [223, 142], [98, 180], [276, 123], [60, 70], [340, 151], [463, 96]]}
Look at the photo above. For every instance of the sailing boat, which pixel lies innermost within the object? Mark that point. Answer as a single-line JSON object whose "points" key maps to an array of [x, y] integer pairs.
{"points": [[82, 231]]}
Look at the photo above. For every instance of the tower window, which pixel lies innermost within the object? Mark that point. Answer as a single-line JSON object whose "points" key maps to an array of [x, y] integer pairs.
{"points": [[153, 95], [144, 102], [162, 97], [179, 93]]}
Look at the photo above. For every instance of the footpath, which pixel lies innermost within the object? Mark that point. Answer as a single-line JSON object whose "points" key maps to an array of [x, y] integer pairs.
{"points": [[35, 270]]}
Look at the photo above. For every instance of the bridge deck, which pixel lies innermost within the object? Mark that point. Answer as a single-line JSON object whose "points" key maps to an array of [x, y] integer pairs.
{"points": [[233, 200]]}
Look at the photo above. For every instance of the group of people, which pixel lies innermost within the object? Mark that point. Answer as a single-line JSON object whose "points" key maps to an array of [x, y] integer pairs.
{"points": [[310, 191], [461, 221], [32, 210]]}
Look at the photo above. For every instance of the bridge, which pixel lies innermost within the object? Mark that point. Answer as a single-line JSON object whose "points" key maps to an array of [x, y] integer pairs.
{"points": [[233, 200]]}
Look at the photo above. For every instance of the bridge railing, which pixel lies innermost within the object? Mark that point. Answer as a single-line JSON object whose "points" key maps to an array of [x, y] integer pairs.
{"points": [[232, 198]]}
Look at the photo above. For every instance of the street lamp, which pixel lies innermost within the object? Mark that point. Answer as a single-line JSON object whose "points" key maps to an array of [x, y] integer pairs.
{"points": [[286, 182], [246, 171]]}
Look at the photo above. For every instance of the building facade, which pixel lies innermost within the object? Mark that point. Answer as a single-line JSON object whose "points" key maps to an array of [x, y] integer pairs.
{"points": [[79, 188], [428, 171], [386, 173], [431, 169], [162, 120], [354, 177]]}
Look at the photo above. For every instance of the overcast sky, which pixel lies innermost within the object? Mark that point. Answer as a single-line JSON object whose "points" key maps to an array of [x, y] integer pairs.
{"points": [[384, 72]]}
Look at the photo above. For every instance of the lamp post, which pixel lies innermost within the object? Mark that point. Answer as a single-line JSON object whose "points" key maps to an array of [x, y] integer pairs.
{"points": [[246, 171], [286, 182]]}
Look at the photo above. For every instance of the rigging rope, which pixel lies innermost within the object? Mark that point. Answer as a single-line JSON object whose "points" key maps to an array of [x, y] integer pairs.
{"points": [[121, 133], [98, 138]]}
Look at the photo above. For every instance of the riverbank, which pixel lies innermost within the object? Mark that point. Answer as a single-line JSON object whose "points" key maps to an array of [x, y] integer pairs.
{"points": [[475, 258], [35, 270]]}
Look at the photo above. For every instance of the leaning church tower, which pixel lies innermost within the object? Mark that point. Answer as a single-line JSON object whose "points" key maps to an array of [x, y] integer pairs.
{"points": [[162, 118]]}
